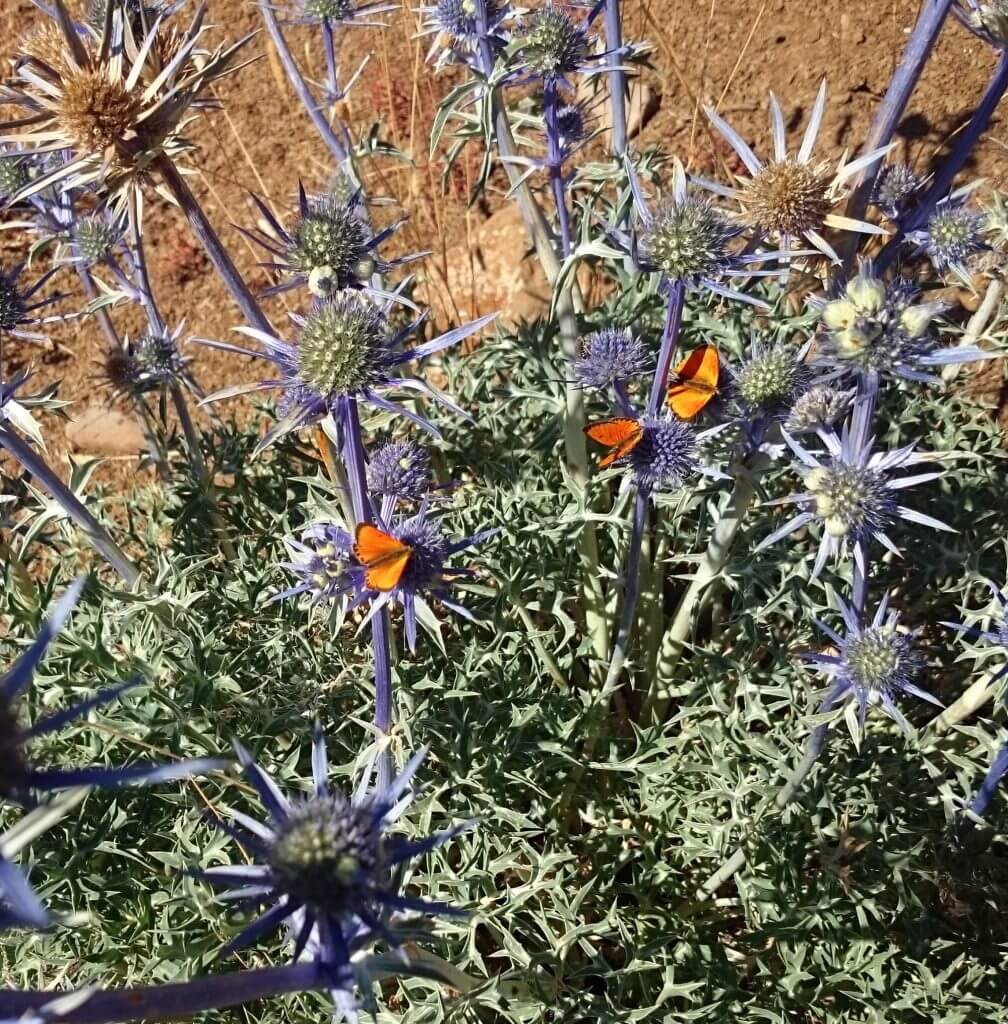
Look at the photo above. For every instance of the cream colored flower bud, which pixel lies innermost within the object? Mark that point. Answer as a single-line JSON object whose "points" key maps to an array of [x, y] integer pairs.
{"points": [[838, 314], [867, 293]]}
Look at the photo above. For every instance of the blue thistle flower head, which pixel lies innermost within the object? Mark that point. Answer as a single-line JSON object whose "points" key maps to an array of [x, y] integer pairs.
{"points": [[851, 491], [894, 187], [326, 865], [610, 356], [875, 663], [320, 561], [878, 328], [95, 236], [331, 245], [770, 378], [18, 305], [954, 234], [19, 777], [666, 456], [457, 18], [15, 173], [147, 364], [572, 125], [345, 350], [400, 469]]}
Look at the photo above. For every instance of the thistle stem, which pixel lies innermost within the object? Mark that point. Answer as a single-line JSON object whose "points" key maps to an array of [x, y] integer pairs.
{"points": [[218, 255], [353, 458], [554, 160], [669, 343], [714, 560], [96, 534], [946, 174], [617, 78], [894, 103], [575, 448], [334, 144], [981, 801], [174, 999]]}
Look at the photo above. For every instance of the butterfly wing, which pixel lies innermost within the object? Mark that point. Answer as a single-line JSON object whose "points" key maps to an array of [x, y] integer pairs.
{"points": [[384, 557], [698, 375], [619, 435]]}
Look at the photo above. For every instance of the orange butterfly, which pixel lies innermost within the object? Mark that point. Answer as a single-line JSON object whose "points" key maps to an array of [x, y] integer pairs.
{"points": [[384, 558], [696, 382], [620, 435]]}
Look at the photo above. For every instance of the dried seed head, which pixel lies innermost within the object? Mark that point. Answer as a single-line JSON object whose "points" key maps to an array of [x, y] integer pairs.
{"points": [[551, 43], [341, 345], [881, 660], [327, 855], [820, 407], [687, 239], [94, 112], [788, 198], [895, 184], [852, 501]]}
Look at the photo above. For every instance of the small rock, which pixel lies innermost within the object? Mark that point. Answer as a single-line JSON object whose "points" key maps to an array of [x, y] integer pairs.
{"points": [[100, 430], [496, 274]]}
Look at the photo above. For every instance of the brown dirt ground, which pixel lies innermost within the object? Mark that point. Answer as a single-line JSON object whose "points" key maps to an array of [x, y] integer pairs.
{"points": [[726, 52]]}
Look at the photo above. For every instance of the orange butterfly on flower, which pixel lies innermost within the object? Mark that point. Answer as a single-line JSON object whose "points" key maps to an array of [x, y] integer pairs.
{"points": [[620, 435], [383, 556], [696, 383]]}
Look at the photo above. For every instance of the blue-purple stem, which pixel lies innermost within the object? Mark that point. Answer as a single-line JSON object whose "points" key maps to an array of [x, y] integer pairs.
{"points": [[353, 459], [174, 999], [979, 804], [946, 174], [669, 343], [334, 143], [212, 245], [631, 567], [554, 160], [96, 534], [617, 78], [901, 87]]}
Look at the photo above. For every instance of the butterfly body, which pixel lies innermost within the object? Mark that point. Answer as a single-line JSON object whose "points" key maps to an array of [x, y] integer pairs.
{"points": [[620, 435], [696, 383], [384, 557]]}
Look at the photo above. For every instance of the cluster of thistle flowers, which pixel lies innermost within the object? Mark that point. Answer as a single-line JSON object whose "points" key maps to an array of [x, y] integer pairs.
{"points": [[346, 353], [877, 329]]}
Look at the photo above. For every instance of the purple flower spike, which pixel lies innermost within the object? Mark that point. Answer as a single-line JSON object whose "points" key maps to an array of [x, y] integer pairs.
{"points": [[611, 356], [18, 305], [874, 663], [400, 469]]}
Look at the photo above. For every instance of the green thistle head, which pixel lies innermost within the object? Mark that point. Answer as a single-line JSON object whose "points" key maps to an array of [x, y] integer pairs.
{"points": [[342, 345], [687, 239], [325, 853], [771, 378], [331, 237], [552, 44]]}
